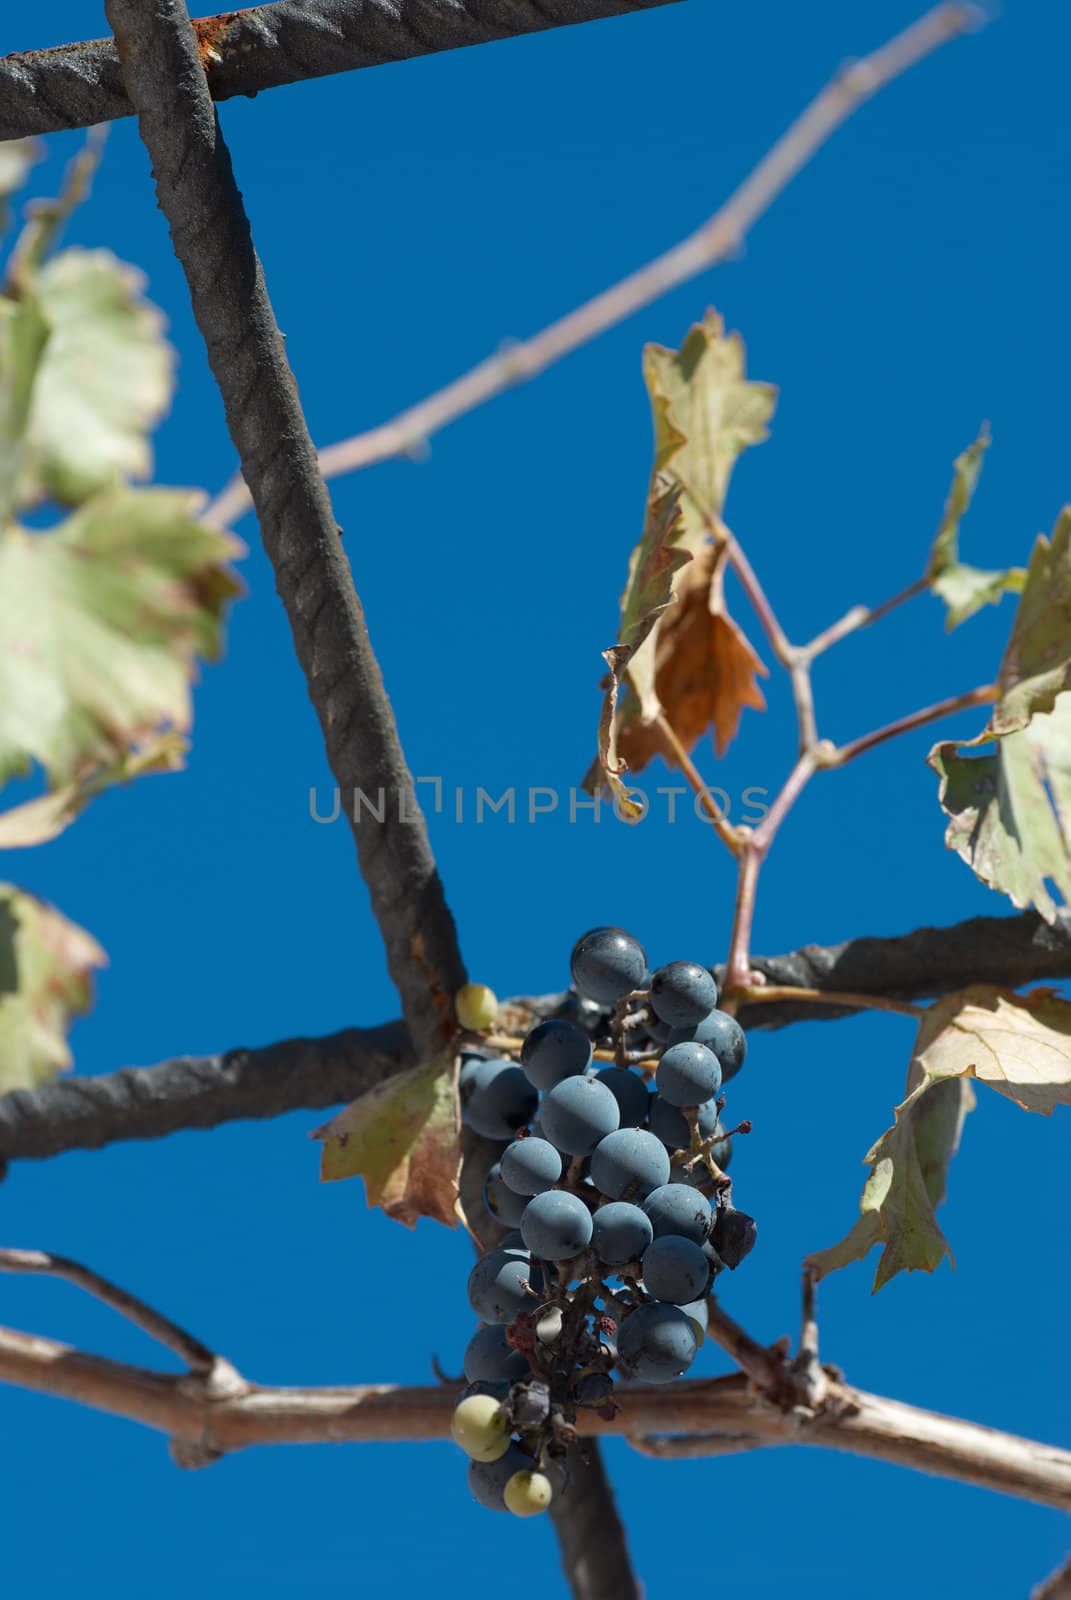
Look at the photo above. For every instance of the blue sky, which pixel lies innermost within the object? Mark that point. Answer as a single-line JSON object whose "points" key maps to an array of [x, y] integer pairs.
{"points": [[911, 284]]}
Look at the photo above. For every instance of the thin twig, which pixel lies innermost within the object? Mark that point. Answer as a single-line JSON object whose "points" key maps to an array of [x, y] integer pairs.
{"points": [[860, 617], [197, 1356], [162, 72], [675, 747], [844, 753], [718, 238]]}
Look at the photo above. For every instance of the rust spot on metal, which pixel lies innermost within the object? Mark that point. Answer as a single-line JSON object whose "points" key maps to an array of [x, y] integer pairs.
{"points": [[212, 35]]}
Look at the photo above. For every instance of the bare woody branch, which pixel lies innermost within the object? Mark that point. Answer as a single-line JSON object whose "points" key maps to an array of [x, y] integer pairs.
{"points": [[715, 1413], [309, 1074], [161, 68], [1057, 1586], [262, 47], [718, 238]]}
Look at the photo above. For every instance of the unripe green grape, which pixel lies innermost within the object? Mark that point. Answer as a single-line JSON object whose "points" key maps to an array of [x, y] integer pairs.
{"points": [[479, 1427], [476, 1007], [528, 1493]]}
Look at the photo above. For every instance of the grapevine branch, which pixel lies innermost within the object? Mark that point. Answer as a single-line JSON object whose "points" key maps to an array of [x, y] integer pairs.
{"points": [[699, 1416], [85, 1113], [264, 46], [161, 68], [720, 237]]}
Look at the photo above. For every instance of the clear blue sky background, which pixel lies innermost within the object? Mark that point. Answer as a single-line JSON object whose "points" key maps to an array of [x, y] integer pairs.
{"points": [[911, 284]]}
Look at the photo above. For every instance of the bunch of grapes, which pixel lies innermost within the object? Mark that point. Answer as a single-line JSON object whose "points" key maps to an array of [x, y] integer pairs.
{"points": [[614, 1183]]}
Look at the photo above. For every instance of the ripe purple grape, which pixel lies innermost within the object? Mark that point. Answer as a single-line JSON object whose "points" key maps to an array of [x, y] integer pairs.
{"points": [[488, 1479], [688, 1074], [530, 1166], [607, 964], [555, 1050], [656, 1343], [630, 1161], [497, 1286], [720, 1033], [631, 1093], [556, 1225], [682, 993], [577, 1113], [671, 1125], [675, 1269], [489, 1358], [500, 1102], [621, 1232], [504, 1204], [675, 1208]]}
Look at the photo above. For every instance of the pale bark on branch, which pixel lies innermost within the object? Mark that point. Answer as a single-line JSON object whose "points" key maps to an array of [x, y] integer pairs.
{"points": [[667, 1417]]}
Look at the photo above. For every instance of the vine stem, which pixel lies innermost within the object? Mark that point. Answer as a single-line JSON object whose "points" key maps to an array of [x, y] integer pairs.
{"points": [[721, 236], [985, 695], [760, 993], [861, 617], [673, 746]]}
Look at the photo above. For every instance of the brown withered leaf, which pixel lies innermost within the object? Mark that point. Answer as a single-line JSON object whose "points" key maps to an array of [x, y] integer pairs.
{"points": [[402, 1139], [706, 670]]}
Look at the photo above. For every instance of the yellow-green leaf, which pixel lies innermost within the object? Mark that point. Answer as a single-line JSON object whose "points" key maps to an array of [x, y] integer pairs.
{"points": [[46, 966], [1010, 809], [706, 414], [104, 379], [402, 1138], [1019, 1044], [963, 588], [23, 335], [44, 818], [102, 620], [908, 1177]]}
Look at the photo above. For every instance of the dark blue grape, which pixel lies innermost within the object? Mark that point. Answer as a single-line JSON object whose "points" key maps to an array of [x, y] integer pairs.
{"points": [[720, 1033], [607, 964], [497, 1286], [688, 1074], [504, 1203], [682, 993], [675, 1208], [531, 1165], [698, 1314], [474, 1071], [498, 1390], [671, 1125], [489, 1358], [488, 1479], [630, 1161], [593, 1389], [660, 1032], [577, 1113], [630, 1091], [555, 1050], [556, 1225], [500, 1102], [620, 1233], [675, 1269], [656, 1343]]}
